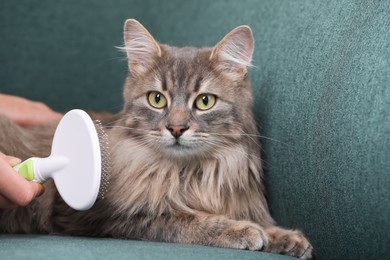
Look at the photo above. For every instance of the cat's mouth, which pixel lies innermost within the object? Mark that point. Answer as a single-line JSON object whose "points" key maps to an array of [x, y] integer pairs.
{"points": [[179, 146]]}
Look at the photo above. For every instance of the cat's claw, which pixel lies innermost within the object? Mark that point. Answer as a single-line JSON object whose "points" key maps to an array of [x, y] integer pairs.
{"points": [[289, 242]]}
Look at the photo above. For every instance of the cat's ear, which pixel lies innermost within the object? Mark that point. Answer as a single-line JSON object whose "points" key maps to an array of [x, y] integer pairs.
{"points": [[234, 52], [140, 46]]}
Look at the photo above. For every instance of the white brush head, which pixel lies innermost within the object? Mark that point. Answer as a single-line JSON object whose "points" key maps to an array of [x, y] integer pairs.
{"points": [[77, 140]]}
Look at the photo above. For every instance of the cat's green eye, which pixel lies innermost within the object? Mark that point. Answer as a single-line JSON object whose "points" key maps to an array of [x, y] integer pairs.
{"points": [[205, 101], [157, 100]]}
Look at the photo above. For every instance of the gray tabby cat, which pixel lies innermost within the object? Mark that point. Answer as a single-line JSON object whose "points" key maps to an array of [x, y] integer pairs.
{"points": [[186, 160]]}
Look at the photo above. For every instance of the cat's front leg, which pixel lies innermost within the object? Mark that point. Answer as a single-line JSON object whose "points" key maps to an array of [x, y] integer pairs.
{"points": [[288, 242], [209, 230]]}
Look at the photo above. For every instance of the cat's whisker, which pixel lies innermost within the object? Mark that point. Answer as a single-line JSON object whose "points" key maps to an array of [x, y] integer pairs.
{"points": [[274, 140], [115, 121], [144, 140], [143, 143], [125, 128], [228, 147], [252, 135], [256, 142], [121, 119]]}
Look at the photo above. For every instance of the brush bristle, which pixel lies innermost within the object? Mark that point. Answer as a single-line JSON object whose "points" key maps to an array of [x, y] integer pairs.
{"points": [[105, 159]]}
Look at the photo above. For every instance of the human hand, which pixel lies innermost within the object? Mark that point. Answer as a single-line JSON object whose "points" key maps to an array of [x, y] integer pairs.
{"points": [[26, 112], [14, 189]]}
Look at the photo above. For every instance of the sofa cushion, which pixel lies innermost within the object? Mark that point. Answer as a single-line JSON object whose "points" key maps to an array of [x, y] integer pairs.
{"points": [[58, 247]]}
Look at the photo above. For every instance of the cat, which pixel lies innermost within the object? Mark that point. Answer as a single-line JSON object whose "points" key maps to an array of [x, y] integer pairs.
{"points": [[185, 155]]}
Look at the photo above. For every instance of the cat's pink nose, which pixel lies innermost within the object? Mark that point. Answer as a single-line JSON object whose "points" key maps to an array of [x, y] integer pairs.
{"points": [[177, 130]]}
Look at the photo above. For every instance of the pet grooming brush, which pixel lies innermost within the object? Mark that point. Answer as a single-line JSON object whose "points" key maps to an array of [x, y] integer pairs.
{"points": [[79, 162]]}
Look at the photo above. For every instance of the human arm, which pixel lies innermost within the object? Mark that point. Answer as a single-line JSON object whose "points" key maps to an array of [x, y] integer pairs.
{"points": [[26, 112]]}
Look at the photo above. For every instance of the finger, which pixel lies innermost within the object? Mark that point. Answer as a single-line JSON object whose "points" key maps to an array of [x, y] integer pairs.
{"points": [[26, 112], [10, 159], [15, 188], [49, 118], [38, 188], [44, 114], [42, 118]]}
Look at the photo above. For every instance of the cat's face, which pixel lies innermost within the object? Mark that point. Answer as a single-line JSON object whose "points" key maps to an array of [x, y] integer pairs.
{"points": [[186, 102]]}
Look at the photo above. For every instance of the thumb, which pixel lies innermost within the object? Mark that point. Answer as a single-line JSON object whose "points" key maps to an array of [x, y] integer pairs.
{"points": [[38, 189], [26, 196]]}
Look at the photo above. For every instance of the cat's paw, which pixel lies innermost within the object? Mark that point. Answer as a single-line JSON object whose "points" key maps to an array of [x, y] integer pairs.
{"points": [[243, 235], [288, 242]]}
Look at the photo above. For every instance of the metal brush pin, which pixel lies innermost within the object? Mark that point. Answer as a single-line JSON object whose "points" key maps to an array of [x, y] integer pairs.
{"points": [[105, 159]]}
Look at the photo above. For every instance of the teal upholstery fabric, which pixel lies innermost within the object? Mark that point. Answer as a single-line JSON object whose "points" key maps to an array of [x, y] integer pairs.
{"points": [[64, 248], [321, 83]]}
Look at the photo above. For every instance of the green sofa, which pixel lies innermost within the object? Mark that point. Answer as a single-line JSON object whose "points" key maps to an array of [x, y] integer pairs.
{"points": [[322, 88]]}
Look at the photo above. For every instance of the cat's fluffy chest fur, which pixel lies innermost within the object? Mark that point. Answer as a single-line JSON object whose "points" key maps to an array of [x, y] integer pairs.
{"points": [[185, 155], [164, 185]]}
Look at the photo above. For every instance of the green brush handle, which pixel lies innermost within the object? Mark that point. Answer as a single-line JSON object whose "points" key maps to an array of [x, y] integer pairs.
{"points": [[26, 169], [40, 169]]}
